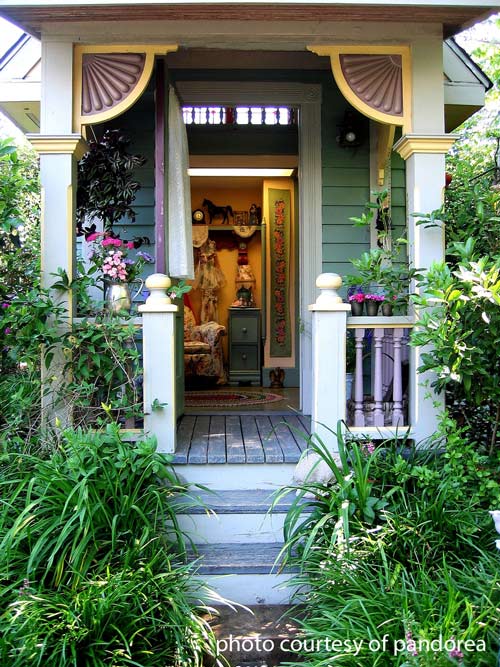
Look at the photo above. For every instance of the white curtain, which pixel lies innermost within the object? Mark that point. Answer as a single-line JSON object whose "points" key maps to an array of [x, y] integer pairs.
{"points": [[180, 242]]}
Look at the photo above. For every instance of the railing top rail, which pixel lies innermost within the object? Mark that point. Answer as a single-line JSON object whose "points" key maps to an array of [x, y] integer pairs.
{"points": [[136, 321], [371, 322]]}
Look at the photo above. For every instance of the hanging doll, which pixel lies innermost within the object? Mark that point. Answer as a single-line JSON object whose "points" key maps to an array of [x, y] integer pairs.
{"points": [[209, 278]]}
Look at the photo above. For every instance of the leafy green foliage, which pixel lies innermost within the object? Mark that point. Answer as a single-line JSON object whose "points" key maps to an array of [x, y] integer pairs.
{"points": [[90, 574], [459, 318], [106, 186], [420, 566]]}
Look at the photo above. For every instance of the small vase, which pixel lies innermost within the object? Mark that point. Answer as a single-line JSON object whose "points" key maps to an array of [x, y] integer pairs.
{"points": [[356, 308], [372, 308], [118, 298], [387, 309]]}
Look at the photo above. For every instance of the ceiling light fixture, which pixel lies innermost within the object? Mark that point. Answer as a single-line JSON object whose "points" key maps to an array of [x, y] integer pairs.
{"points": [[241, 172]]}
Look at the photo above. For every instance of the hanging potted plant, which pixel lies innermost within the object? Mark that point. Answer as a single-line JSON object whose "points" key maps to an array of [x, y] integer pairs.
{"points": [[106, 184]]}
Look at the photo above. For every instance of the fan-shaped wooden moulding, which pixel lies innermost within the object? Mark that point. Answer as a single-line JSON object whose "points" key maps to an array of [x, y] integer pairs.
{"points": [[376, 79], [107, 79]]}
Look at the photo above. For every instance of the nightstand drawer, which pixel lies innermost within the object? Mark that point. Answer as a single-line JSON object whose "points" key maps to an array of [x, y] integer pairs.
{"points": [[244, 329], [244, 357]]}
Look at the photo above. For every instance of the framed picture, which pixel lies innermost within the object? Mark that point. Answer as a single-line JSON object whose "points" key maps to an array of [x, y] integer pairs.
{"points": [[240, 218]]}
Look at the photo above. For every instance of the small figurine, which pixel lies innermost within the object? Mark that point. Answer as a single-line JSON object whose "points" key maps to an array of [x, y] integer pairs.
{"points": [[215, 211], [277, 377], [255, 215]]}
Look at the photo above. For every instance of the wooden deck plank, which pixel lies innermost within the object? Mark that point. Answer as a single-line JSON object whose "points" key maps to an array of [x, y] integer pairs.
{"points": [[291, 451], [184, 435], [217, 440], [305, 420], [272, 449], [297, 430], [251, 440], [234, 440], [199, 441]]}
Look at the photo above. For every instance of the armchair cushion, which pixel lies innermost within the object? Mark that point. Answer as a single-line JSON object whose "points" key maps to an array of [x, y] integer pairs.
{"points": [[203, 348]]}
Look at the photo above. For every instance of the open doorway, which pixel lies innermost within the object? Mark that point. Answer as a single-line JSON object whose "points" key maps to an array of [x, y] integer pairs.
{"points": [[241, 317]]}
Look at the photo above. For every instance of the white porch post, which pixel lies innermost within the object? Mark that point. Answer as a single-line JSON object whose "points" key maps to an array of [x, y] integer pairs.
{"points": [[158, 325], [329, 331], [59, 149]]}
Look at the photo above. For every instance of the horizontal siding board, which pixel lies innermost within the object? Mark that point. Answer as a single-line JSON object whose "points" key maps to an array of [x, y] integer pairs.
{"points": [[340, 215], [357, 196], [398, 197], [346, 234], [339, 176], [398, 178], [342, 252]]}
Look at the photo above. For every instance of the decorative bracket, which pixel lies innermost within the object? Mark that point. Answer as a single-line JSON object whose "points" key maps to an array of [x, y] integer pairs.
{"points": [[109, 79], [374, 79]]}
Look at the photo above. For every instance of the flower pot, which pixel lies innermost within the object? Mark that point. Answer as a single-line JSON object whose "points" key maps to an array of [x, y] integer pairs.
{"points": [[387, 309], [356, 308], [372, 308]]}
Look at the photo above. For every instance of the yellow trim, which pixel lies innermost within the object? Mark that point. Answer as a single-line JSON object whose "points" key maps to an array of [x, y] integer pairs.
{"points": [[150, 50], [335, 51], [422, 143], [385, 141], [58, 145]]}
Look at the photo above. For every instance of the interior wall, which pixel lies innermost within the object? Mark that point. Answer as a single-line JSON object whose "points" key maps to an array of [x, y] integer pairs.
{"points": [[240, 199]]}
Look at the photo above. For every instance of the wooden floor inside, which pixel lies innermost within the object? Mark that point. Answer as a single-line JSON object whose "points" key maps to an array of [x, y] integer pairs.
{"points": [[219, 438]]}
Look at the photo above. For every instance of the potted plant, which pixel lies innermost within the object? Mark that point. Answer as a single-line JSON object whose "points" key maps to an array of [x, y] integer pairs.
{"points": [[356, 300], [106, 184], [373, 302]]}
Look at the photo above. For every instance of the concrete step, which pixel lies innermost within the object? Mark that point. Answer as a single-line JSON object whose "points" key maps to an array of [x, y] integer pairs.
{"points": [[245, 573], [257, 636], [247, 476], [233, 516], [239, 558]]}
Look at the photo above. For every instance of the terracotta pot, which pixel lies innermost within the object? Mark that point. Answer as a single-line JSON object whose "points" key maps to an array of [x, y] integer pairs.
{"points": [[372, 307], [356, 308]]}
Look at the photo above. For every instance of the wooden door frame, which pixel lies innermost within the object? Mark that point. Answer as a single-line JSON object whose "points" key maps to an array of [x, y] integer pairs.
{"points": [[307, 98]]}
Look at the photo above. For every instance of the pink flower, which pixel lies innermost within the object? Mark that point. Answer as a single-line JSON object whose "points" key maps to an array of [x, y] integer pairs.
{"points": [[108, 241], [374, 297], [5, 305], [358, 298], [130, 245], [93, 236]]}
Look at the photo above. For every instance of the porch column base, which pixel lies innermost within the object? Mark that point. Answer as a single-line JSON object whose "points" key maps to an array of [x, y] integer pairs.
{"points": [[329, 332], [158, 322]]}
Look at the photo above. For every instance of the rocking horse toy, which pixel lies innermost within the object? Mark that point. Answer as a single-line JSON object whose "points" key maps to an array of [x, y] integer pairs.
{"points": [[216, 211]]}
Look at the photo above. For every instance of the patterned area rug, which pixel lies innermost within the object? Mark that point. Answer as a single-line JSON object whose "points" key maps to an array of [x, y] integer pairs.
{"points": [[228, 399]]}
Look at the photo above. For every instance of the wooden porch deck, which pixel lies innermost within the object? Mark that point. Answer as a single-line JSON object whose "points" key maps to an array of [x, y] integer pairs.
{"points": [[241, 438]]}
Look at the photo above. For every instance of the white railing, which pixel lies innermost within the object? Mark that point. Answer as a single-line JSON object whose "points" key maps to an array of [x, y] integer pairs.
{"points": [[400, 404], [381, 362]]}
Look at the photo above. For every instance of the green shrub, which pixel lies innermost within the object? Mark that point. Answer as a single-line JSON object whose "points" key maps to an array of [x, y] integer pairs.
{"points": [[92, 565], [399, 547]]}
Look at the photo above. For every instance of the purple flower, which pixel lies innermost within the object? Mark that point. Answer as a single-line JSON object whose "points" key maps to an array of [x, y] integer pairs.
{"points": [[7, 331], [129, 262], [374, 297], [456, 653], [146, 256], [5, 305]]}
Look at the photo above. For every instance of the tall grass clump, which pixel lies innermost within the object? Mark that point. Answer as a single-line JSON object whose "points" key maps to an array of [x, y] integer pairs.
{"points": [[396, 556], [92, 567]]}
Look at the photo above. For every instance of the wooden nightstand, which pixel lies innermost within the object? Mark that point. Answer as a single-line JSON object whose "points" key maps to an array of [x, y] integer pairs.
{"points": [[244, 345]]}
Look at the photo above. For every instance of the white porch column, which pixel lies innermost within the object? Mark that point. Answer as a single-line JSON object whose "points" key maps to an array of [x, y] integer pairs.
{"points": [[59, 149], [425, 179], [329, 331], [158, 325]]}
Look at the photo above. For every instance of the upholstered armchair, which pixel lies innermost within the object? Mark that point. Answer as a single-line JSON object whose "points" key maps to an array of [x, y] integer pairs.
{"points": [[203, 355]]}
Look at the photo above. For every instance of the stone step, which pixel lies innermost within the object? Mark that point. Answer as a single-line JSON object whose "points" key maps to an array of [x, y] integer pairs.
{"points": [[256, 636], [231, 516], [239, 558]]}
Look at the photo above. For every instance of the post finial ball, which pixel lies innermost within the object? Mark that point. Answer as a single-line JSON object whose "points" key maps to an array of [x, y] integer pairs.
{"points": [[329, 281], [158, 281]]}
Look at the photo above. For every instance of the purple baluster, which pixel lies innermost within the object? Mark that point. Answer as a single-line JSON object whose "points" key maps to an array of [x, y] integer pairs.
{"points": [[359, 415], [378, 414], [397, 383]]}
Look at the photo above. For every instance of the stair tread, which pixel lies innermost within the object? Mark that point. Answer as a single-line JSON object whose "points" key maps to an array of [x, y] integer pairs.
{"points": [[239, 558], [256, 501]]}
